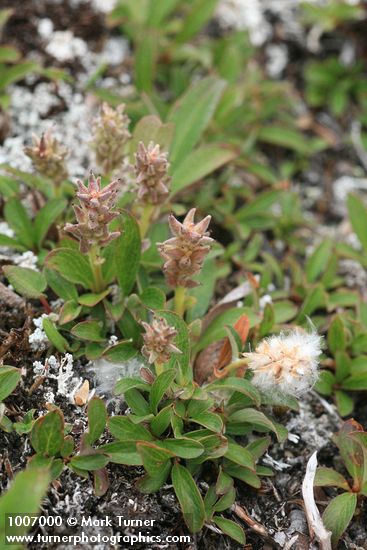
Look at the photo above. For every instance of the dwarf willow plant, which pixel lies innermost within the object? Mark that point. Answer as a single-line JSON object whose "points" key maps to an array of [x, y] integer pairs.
{"points": [[106, 268], [176, 429], [107, 273], [351, 441]]}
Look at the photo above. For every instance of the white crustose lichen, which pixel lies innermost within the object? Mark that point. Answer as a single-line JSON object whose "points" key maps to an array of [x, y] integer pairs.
{"points": [[62, 371]]}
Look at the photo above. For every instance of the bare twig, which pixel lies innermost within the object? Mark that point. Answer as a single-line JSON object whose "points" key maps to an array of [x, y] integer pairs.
{"points": [[315, 524], [254, 525], [9, 297], [291, 542]]}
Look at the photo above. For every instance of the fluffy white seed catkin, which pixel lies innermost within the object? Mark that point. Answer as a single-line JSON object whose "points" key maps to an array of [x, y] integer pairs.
{"points": [[286, 363]]}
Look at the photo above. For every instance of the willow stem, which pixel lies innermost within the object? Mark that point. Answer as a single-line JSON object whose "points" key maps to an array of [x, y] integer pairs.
{"points": [[57, 190], [180, 299], [146, 219], [236, 364], [96, 266], [158, 368]]}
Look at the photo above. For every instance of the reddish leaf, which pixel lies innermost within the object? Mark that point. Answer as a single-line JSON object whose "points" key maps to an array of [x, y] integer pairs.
{"points": [[242, 327]]}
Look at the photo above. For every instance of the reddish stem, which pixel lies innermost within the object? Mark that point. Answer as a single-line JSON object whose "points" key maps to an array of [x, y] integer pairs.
{"points": [[46, 305]]}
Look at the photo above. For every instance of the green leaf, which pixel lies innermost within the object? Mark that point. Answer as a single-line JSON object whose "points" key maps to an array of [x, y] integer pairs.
{"points": [[358, 218], [258, 447], [325, 382], [128, 251], [68, 446], [46, 217], [47, 435], [338, 515], [244, 474], [344, 403], [120, 352], [355, 383], [8, 54], [69, 311], [336, 335], [122, 452], [224, 483], [151, 484], [5, 14], [31, 180], [129, 326], [191, 114], [343, 365], [72, 265], [88, 330], [231, 529], [255, 418], [285, 137], [315, 299], [17, 72], [90, 462], [267, 321], [215, 446], [9, 378], [27, 282], [161, 421], [56, 467], [153, 457], [203, 293], [97, 418], [209, 501], [137, 403], [182, 447], [60, 286], [91, 299], [159, 11], [150, 128], [239, 455], [226, 500], [25, 426], [129, 383], [153, 298], [359, 344], [145, 60], [216, 329], [23, 497], [200, 13], [317, 262], [122, 428], [54, 336], [16, 216], [358, 365], [9, 242], [189, 497], [200, 163], [327, 477], [209, 420], [258, 205], [235, 384], [160, 386], [351, 450], [343, 299]]}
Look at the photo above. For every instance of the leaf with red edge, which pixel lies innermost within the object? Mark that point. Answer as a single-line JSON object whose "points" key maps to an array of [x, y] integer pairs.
{"points": [[351, 450]]}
